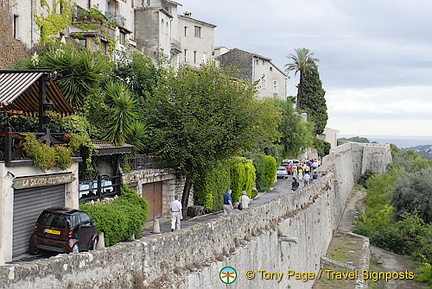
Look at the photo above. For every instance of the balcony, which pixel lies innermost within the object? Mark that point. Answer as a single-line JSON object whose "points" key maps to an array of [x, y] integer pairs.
{"points": [[175, 46], [115, 18]]}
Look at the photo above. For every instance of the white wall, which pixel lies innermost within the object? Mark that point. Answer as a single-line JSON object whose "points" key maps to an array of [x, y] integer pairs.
{"points": [[7, 176]]}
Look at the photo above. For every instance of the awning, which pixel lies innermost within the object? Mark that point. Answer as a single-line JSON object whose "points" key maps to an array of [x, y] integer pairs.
{"points": [[105, 148], [19, 91]]}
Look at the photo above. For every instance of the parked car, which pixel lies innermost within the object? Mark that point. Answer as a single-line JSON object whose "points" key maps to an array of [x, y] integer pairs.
{"points": [[290, 162], [63, 230], [281, 172]]}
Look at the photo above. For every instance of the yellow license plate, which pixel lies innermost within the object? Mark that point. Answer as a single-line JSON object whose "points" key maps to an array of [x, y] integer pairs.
{"points": [[54, 232]]}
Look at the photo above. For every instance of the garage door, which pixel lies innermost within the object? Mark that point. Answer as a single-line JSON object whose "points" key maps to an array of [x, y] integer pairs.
{"points": [[28, 204], [152, 193]]}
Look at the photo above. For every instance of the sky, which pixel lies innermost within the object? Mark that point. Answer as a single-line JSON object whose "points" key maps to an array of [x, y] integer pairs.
{"points": [[375, 56]]}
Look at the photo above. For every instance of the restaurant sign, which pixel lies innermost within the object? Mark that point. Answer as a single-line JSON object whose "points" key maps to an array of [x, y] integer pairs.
{"points": [[40, 181]]}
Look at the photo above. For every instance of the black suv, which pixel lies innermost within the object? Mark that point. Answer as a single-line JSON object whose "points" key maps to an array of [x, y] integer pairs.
{"points": [[63, 230]]}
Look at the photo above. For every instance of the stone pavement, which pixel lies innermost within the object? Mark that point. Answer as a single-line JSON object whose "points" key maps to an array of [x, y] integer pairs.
{"points": [[281, 187]]}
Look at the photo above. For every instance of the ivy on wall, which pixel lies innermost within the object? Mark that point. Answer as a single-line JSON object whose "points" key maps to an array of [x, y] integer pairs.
{"points": [[51, 23]]}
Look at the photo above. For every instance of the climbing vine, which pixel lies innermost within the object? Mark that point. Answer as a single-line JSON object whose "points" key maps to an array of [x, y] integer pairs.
{"points": [[51, 23]]}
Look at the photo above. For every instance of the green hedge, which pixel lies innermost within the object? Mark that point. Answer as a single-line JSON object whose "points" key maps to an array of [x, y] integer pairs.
{"points": [[236, 173], [242, 177], [265, 172], [211, 186], [120, 219]]}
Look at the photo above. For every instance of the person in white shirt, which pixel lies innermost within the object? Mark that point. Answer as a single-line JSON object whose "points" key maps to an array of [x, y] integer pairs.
{"points": [[176, 213], [306, 179], [244, 200]]}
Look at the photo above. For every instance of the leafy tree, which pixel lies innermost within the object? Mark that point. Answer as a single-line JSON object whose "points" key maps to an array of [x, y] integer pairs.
{"points": [[296, 134], [303, 62], [313, 100], [322, 147], [410, 161], [199, 117], [414, 193], [358, 139], [137, 71]]}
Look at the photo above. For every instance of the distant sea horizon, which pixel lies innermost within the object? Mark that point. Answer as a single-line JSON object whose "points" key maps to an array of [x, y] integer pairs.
{"points": [[399, 141]]}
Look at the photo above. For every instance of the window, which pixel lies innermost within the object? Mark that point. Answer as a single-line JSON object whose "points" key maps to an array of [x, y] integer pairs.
{"points": [[198, 31], [195, 57], [88, 4], [15, 26], [167, 28], [83, 42], [204, 57], [185, 55], [271, 68], [185, 31], [122, 40], [104, 46], [264, 82], [275, 86], [162, 26]]}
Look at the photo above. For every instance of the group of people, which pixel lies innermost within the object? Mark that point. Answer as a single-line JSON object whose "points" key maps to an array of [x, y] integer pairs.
{"points": [[228, 204], [305, 173], [228, 207]]}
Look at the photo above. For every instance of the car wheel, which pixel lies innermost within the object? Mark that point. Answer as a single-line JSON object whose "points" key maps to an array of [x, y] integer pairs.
{"points": [[34, 250], [94, 245], [75, 248]]}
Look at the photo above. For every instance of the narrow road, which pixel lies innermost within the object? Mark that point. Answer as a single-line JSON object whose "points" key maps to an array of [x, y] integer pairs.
{"points": [[281, 187]]}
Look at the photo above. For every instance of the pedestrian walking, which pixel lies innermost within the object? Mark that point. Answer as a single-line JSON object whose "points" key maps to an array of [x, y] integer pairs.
{"points": [[244, 201], [176, 213], [228, 202], [306, 178]]}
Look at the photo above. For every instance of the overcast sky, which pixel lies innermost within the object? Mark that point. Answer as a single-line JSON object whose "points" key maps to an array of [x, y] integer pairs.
{"points": [[375, 55]]}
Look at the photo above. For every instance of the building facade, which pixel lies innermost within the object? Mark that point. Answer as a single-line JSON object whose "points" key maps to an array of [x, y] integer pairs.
{"points": [[254, 67], [96, 24], [197, 40]]}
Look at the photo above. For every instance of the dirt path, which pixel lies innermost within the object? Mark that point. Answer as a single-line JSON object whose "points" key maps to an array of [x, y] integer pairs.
{"points": [[381, 260], [391, 262]]}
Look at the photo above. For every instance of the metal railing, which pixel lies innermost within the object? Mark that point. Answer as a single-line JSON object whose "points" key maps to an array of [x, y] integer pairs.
{"points": [[142, 162], [101, 188]]}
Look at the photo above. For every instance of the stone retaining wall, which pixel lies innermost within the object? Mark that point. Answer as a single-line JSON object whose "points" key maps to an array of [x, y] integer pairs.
{"points": [[193, 257]]}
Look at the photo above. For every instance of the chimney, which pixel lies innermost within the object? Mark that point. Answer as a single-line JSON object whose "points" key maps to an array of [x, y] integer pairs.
{"points": [[187, 14]]}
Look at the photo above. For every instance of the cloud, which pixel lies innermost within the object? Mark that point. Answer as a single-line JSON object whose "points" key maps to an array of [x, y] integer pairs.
{"points": [[375, 56]]}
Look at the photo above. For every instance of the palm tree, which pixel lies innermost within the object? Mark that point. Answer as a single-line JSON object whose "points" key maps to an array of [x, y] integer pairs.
{"points": [[302, 62]]}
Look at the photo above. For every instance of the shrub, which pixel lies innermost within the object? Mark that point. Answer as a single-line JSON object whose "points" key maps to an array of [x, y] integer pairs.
{"points": [[211, 186], [265, 172], [120, 219], [363, 178], [243, 176]]}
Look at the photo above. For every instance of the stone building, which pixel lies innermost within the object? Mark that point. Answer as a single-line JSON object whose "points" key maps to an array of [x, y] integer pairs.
{"points": [[254, 67], [96, 24], [196, 39]]}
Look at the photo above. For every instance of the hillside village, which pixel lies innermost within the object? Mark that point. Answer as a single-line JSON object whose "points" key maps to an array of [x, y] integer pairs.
{"points": [[111, 109], [94, 157]]}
